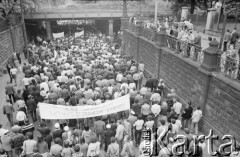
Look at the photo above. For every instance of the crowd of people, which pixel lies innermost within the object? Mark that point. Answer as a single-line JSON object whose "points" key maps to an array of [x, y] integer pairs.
{"points": [[189, 42], [230, 58], [91, 71]]}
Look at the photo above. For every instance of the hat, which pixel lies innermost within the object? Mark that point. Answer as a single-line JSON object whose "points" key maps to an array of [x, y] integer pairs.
{"points": [[40, 137], [57, 126], [66, 128], [41, 123], [5, 131], [37, 155], [108, 126], [186, 130], [132, 112], [171, 139]]}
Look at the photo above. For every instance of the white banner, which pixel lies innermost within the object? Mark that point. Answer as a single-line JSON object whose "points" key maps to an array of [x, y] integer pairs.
{"points": [[50, 111], [78, 34], [58, 35]]}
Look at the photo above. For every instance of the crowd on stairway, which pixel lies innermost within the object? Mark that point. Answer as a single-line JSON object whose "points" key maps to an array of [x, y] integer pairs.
{"points": [[91, 71]]}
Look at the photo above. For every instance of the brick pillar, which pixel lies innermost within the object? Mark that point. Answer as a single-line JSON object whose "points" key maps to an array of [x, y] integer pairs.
{"points": [[13, 38], [211, 18], [49, 30], [159, 43], [184, 14], [110, 28], [138, 29], [211, 56], [161, 37], [124, 25], [124, 18]]}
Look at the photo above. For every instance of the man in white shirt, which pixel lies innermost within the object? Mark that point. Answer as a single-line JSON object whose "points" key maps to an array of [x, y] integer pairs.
{"points": [[124, 86], [20, 117], [26, 82], [138, 130], [197, 115], [156, 109], [119, 133], [44, 85], [175, 127], [119, 77], [14, 72], [141, 67], [156, 98], [177, 106]]}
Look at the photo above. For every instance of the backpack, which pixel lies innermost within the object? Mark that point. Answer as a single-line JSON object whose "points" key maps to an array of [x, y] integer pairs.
{"points": [[130, 152], [94, 152], [114, 152]]}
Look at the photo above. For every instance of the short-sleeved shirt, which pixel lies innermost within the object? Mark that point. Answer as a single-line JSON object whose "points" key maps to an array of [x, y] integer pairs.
{"points": [[13, 71], [145, 109], [139, 124], [156, 109]]}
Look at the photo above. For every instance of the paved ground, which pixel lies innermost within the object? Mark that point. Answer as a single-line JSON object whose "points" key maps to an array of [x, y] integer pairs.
{"points": [[201, 26]]}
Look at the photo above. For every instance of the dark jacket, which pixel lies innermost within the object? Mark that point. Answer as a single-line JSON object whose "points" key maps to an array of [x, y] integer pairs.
{"points": [[234, 38], [31, 105], [44, 131], [17, 141], [28, 128], [197, 40], [57, 133], [107, 135], [9, 89]]}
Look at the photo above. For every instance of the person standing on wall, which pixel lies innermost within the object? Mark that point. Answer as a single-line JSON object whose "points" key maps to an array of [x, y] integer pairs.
{"points": [[234, 37], [227, 38]]}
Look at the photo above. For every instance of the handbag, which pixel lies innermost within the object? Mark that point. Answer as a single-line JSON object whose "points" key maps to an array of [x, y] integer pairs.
{"points": [[94, 152], [23, 154]]}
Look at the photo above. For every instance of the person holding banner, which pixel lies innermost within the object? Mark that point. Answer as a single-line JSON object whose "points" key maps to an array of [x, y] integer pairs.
{"points": [[88, 79]]}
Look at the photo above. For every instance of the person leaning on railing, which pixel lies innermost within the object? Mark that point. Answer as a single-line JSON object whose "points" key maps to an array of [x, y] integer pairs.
{"points": [[231, 62]]}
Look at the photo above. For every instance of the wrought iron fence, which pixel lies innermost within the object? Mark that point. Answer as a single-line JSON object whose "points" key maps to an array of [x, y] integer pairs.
{"points": [[148, 33], [229, 66], [186, 49]]}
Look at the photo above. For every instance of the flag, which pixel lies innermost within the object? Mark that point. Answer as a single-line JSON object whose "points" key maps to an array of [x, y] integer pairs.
{"points": [[78, 34], [58, 35]]}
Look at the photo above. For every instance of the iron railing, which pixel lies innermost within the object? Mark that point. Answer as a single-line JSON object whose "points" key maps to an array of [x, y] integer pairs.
{"points": [[148, 33], [229, 66], [186, 49]]}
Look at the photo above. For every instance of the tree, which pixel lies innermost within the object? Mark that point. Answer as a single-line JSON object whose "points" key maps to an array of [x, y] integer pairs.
{"points": [[202, 4], [13, 6], [232, 7]]}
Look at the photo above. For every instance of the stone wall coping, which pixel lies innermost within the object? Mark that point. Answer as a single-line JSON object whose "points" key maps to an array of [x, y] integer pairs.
{"points": [[145, 39], [232, 83], [5, 31], [187, 60], [212, 9]]}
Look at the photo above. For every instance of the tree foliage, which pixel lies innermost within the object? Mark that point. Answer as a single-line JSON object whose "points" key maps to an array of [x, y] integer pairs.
{"points": [[14, 6], [232, 7], [202, 4]]}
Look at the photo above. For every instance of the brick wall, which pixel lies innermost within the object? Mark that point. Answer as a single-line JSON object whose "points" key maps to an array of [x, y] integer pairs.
{"points": [[218, 96], [10, 40], [18, 38]]}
